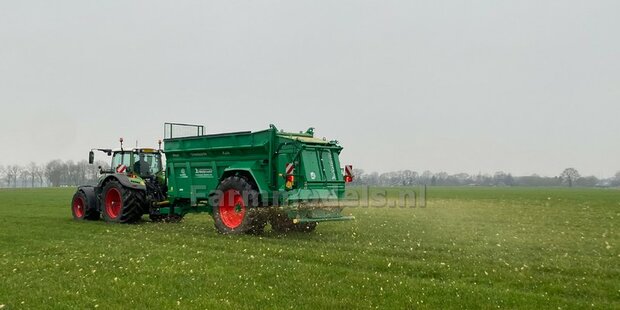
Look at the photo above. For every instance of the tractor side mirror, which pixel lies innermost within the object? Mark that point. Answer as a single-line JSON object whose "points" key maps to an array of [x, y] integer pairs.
{"points": [[91, 157]]}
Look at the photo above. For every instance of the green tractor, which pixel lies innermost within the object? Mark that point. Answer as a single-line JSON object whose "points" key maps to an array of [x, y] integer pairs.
{"points": [[123, 193], [245, 180]]}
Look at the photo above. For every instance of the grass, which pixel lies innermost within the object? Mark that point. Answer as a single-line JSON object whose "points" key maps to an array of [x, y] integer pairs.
{"points": [[469, 248]]}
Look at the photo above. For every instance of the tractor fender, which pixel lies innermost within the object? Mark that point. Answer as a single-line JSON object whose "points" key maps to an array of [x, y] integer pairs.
{"points": [[91, 196], [124, 180]]}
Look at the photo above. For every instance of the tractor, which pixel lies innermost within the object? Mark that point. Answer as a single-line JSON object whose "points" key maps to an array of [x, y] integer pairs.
{"points": [[125, 192]]}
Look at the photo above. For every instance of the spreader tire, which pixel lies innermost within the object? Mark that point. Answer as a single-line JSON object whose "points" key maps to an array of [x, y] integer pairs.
{"points": [[121, 204], [234, 206]]}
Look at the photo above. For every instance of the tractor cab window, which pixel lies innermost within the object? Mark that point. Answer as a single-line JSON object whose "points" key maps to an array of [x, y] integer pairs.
{"points": [[147, 164], [144, 164], [121, 159]]}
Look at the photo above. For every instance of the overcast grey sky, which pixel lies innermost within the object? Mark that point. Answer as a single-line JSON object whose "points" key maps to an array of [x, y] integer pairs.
{"points": [[457, 86]]}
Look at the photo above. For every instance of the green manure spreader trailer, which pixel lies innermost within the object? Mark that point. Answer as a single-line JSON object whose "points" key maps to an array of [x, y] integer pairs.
{"points": [[243, 179]]}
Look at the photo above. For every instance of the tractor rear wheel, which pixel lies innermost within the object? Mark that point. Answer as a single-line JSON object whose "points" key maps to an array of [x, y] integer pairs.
{"points": [[121, 204], [233, 212], [83, 208]]}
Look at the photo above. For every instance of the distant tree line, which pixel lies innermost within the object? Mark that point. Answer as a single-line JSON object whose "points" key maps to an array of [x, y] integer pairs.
{"points": [[58, 173], [55, 173], [569, 177]]}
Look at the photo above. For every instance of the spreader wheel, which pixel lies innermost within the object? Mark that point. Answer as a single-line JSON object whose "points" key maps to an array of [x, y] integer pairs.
{"points": [[234, 207]]}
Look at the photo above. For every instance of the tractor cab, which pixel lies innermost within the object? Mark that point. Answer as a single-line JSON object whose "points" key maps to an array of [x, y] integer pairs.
{"points": [[144, 162]]}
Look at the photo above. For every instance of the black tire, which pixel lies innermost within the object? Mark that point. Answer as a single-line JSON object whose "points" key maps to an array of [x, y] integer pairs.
{"points": [[234, 207], [83, 207], [131, 203]]}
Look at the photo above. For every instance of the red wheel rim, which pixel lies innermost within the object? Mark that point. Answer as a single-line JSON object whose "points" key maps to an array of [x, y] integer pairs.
{"points": [[78, 207], [113, 203], [232, 209]]}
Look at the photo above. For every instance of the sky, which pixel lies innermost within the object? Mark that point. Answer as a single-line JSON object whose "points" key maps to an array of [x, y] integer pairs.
{"points": [[458, 86]]}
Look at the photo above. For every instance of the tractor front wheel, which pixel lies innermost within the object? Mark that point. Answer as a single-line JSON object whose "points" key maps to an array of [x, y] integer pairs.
{"points": [[120, 204], [83, 208]]}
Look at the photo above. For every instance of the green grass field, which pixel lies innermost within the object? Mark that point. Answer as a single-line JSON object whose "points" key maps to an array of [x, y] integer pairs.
{"points": [[469, 248]]}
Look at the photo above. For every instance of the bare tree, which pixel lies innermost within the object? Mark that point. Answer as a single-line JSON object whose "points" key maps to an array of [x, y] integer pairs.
{"points": [[33, 171], [426, 177], [54, 172], [7, 176], [588, 181], [499, 178], [9, 172], [2, 172], [81, 176], [569, 176], [24, 176], [441, 177], [462, 178], [40, 174], [12, 173], [373, 178], [615, 180], [409, 177]]}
